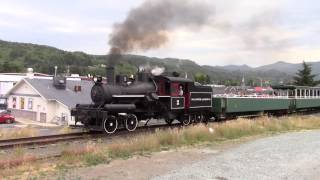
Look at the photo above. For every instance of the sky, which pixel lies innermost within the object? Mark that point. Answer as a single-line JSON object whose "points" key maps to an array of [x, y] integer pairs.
{"points": [[240, 31]]}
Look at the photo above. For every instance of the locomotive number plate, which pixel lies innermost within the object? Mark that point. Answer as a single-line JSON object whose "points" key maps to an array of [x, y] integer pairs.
{"points": [[177, 102]]}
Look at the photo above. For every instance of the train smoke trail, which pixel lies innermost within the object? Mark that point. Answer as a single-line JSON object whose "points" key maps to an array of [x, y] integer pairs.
{"points": [[148, 26]]}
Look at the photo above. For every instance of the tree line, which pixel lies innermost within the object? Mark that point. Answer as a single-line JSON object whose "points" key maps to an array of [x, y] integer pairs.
{"points": [[303, 77]]}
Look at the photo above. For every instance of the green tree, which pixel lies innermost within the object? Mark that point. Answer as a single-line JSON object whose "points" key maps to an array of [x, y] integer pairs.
{"points": [[304, 76], [10, 67], [202, 78], [232, 82], [251, 82], [16, 52], [208, 79]]}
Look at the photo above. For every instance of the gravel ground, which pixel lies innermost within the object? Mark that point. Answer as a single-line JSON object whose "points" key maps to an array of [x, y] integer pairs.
{"points": [[287, 156]]}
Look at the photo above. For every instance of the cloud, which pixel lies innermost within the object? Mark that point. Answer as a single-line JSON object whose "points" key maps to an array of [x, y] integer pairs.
{"points": [[27, 16], [76, 28], [4, 23], [14, 10], [252, 32], [246, 31]]}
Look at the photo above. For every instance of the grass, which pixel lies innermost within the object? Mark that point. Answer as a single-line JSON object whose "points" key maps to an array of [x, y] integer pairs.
{"points": [[10, 133], [91, 154], [96, 152], [66, 130], [193, 135], [17, 158]]}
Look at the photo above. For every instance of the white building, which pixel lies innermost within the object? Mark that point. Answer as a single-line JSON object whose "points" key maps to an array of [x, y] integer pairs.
{"points": [[8, 80], [40, 100]]}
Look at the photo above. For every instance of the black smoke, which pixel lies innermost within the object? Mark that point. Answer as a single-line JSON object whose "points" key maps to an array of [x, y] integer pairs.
{"points": [[149, 25]]}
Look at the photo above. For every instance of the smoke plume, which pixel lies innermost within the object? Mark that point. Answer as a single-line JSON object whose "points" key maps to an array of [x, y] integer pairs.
{"points": [[157, 71], [148, 26]]}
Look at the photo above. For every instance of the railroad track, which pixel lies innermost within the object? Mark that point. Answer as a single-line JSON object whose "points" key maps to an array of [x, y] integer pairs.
{"points": [[41, 140], [51, 139]]}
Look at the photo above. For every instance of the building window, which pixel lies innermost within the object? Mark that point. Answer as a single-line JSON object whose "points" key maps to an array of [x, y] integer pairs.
{"points": [[30, 103], [14, 102], [64, 117], [21, 103]]}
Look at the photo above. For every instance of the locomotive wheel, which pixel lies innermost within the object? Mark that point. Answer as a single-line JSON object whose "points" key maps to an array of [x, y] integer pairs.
{"points": [[198, 118], [186, 120], [169, 121], [131, 122], [205, 119], [110, 124]]}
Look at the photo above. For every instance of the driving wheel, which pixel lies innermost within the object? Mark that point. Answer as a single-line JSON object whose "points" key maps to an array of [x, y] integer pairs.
{"points": [[110, 124]]}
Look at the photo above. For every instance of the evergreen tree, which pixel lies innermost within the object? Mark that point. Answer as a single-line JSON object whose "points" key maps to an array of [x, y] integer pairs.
{"points": [[202, 78], [9, 67], [304, 76], [208, 80]]}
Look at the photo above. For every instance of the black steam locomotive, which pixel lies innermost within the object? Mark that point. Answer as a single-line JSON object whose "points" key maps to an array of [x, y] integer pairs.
{"points": [[120, 103]]}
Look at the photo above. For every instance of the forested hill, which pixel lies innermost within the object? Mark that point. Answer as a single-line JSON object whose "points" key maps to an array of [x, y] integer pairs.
{"points": [[16, 57]]}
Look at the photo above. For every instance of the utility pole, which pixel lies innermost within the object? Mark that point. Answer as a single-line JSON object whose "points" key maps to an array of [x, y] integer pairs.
{"points": [[55, 71], [68, 70]]}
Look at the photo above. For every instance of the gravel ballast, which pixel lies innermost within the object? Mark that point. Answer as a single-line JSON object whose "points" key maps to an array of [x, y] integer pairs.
{"points": [[294, 155]]}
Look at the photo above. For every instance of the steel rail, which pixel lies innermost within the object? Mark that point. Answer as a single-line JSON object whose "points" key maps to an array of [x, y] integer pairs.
{"points": [[51, 139], [40, 140]]}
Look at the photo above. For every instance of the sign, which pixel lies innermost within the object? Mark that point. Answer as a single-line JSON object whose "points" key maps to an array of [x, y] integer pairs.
{"points": [[200, 99]]}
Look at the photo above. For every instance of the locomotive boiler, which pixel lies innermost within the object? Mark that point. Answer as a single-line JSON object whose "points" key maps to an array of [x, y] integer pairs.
{"points": [[113, 92]]}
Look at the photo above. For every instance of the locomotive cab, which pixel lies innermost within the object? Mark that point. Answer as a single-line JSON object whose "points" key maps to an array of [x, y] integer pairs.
{"points": [[181, 99]]}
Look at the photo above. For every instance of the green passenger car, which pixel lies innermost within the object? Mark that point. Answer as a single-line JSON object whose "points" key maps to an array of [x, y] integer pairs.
{"points": [[307, 103], [285, 99], [244, 105]]}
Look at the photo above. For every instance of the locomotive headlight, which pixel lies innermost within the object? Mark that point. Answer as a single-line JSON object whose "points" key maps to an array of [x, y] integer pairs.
{"points": [[97, 79]]}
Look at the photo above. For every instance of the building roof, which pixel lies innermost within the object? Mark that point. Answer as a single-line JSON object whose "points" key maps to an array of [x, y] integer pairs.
{"points": [[66, 96], [218, 90]]}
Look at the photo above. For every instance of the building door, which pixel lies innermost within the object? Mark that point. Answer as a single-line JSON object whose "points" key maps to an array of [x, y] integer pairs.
{"points": [[43, 117], [38, 112]]}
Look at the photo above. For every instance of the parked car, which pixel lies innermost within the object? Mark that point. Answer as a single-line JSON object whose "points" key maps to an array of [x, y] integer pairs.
{"points": [[6, 117]]}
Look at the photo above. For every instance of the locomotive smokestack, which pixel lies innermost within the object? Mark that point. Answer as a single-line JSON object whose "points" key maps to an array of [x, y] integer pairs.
{"points": [[114, 56], [110, 75]]}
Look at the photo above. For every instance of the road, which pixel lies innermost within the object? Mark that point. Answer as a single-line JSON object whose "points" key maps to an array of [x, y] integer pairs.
{"points": [[287, 156]]}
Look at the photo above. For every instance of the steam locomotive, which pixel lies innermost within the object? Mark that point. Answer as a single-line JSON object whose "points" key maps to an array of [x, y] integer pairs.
{"points": [[120, 103]]}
